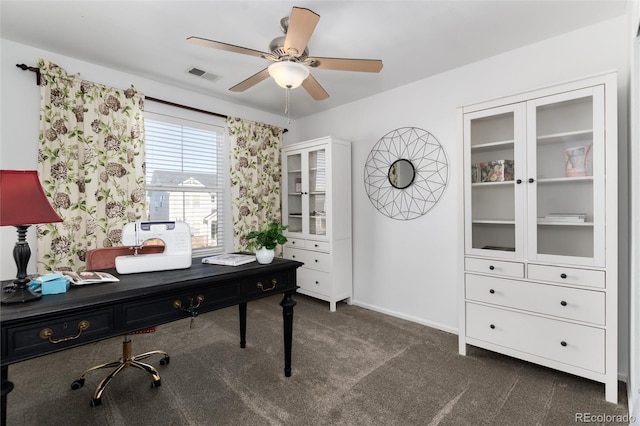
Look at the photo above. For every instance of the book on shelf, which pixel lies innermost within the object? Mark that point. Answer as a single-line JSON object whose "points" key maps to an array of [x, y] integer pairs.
{"points": [[88, 277], [229, 259], [563, 217]]}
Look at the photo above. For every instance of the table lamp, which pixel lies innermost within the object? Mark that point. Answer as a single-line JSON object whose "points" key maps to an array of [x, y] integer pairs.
{"points": [[22, 204]]}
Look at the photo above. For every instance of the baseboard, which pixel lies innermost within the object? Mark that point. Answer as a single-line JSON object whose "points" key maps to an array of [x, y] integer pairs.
{"points": [[634, 406], [411, 318]]}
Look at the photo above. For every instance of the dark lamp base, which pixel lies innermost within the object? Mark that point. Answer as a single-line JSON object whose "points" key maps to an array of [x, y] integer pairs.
{"points": [[19, 294]]}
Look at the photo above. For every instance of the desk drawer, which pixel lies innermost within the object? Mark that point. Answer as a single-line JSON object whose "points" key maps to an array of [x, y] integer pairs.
{"points": [[568, 343], [273, 282], [570, 303], [54, 334], [141, 313]]}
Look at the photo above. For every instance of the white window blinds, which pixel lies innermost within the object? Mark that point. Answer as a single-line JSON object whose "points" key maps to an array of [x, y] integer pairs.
{"points": [[185, 177]]}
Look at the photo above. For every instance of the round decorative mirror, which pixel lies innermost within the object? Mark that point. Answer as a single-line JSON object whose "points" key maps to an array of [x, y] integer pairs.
{"points": [[401, 173], [406, 173]]}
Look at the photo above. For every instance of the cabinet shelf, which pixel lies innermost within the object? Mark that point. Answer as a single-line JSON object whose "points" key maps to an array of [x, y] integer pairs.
{"points": [[579, 179], [565, 136], [486, 184], [492, 145], [298, 171], [493, 222], [586, 224]]}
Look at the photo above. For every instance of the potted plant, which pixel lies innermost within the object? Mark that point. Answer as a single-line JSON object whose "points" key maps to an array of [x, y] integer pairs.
{"points": [[265, 241]]}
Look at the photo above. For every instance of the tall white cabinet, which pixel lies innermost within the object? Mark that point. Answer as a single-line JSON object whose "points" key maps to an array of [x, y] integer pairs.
{"points": [[540, 278], [316, 204]]}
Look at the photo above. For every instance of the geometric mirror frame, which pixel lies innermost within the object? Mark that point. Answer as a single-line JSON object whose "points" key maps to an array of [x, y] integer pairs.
{"points": [[406, 173]]}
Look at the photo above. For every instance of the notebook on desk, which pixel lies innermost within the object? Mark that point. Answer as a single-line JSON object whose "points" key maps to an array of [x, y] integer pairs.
{"points": [[229, 259]]}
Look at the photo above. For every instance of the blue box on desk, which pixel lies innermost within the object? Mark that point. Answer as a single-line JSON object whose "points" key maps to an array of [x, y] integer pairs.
{"points": [[59, 285]]}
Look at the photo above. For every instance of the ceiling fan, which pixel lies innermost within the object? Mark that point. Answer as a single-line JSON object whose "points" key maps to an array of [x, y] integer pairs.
{"points": [[291, 56]]}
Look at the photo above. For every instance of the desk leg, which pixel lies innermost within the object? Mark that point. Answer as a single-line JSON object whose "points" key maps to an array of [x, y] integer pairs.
{"points": [[243, 324], [7, 387], [287, 303]]}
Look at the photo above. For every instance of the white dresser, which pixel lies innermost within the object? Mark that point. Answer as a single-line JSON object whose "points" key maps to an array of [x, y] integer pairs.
{"points": [[540, 278], [316, 188]]}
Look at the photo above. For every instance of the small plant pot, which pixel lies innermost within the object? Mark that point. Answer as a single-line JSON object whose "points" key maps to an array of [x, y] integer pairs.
{"points": [[264, 255]]}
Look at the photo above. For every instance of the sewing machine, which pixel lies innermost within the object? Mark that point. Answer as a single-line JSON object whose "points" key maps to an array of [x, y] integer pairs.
{"points": [[177, 247]]}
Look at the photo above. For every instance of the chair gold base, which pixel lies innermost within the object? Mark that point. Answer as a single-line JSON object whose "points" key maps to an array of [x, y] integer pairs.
{"points": [[126, 361]]}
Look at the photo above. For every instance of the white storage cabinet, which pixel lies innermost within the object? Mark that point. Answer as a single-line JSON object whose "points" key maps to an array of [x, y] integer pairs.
{"points": [[317, 207], [540, 279]]}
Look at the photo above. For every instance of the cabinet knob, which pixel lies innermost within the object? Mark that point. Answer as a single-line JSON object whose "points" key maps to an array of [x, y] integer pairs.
{"points": [[317, 282], [316, 260], [563, 303], [563, 276], [519, 181], [563, 343], [492, 326], [491, 267], [531, 180], [293, 242], [492, 291], [293, 256], [315, 245]]}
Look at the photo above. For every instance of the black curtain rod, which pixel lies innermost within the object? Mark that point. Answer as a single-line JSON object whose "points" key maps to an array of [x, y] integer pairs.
{"points": [[36, 70]]}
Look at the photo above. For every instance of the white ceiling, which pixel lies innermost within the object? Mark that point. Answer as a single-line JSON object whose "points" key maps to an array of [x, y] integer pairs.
{"points": [[414, 39]]}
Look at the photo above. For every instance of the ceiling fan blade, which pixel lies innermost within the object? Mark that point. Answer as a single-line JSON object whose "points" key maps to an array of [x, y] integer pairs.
{"points": [[251, 81], [302, 22], [316, 91], [225, 46], [360, 65]]}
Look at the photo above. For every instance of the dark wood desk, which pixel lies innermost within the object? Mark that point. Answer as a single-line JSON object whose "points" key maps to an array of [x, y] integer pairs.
{"points": [[100, 311]]}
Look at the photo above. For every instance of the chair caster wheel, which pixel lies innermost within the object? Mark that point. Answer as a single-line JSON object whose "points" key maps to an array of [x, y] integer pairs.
{"points": [[77, 384], [95, 402], [156, 383], [165, 360]]}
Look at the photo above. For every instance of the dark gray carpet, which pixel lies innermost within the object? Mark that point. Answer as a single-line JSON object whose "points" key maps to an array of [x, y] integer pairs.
{"points": [[351, 367]]}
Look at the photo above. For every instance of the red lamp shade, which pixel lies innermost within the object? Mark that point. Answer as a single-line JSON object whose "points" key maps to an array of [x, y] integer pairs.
{"points": [[22, 204], [22, 200]]}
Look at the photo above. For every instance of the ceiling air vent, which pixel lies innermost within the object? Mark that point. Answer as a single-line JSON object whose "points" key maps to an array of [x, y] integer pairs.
{"points": [[202, 73]]}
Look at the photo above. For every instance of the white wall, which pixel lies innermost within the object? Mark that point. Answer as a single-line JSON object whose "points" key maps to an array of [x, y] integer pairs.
{"points": [[410, 268], [19, 118]]}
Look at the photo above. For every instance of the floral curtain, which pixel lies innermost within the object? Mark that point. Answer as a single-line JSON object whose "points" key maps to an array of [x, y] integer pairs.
{"points": [[254, 151], [91, 165]]}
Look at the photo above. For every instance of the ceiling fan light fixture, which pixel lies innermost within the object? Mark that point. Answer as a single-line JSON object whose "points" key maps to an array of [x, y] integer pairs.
{"points": [[288, 74]]}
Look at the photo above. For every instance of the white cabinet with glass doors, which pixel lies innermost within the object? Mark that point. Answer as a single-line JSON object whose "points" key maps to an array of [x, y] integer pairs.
{"points": [[316, 205], [540, 228]]}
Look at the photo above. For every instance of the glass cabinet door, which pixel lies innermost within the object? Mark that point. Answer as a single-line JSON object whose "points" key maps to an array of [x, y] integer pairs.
{"points": [[294, 192], [306, 206], [566, 177], [317, 193], [494, 141]]}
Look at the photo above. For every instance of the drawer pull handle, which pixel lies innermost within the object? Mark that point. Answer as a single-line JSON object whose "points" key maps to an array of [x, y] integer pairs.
{"points": [[492, 327], [519, 181], [563, 303], [293, 242], [491, 267], [317, 282], [273, 285], [563, 343], [315, 245], [531, 180], [47, 333], [563, 276], [492, 291], [316, 260]]}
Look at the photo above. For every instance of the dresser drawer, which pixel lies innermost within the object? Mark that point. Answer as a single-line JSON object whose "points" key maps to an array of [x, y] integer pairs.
{"points": [[57, 333], [314, 281], [562, 275], [494, 267], [571, 344], [295, 242], [311, 259], [318, 245], [570, 303]]}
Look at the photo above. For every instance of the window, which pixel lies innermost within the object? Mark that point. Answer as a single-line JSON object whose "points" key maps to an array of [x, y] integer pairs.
{"points": [[184, 177]]}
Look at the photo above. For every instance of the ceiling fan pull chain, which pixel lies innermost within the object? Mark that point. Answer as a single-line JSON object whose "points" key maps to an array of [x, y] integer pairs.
{"points": [[286, 105]]}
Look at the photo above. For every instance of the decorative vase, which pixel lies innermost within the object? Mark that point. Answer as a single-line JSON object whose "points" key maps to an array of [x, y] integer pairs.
{"points": [[264, 255]]}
